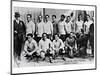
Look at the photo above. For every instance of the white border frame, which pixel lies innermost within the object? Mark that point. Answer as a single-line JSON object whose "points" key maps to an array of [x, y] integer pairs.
{"points": [[42, 69]]}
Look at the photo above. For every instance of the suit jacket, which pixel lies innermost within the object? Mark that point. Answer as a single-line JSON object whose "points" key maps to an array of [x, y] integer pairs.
{"points": [[19, 29]]}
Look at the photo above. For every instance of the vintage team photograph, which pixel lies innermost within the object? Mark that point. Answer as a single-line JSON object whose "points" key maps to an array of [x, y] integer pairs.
{"points": [[43, 37]]}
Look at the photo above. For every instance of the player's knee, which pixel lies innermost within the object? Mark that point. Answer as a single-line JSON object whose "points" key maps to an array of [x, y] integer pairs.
{"points": [[42, 54], [38, 52]]}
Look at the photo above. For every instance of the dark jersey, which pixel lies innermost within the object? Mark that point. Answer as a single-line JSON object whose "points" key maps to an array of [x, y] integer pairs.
{"points": [[82, 41], [71, 41], [19, 27]]}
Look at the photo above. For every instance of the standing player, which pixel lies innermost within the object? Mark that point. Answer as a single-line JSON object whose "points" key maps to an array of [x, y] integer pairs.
{"points": [[39, 28], [69, 25], [55, 25], [91, 38], [62, 28], [30, 26], [87, 24], [48, 27], [79, 24]]}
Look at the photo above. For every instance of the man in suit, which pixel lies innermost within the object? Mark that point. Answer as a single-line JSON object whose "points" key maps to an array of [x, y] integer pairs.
{"points": [[19, 33]]}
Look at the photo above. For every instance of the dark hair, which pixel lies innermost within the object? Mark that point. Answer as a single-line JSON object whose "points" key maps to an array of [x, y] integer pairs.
{"points": [[63, 15], [39, 16], [68, 16], [72, 14], [88, 15], [29, 15], [72, 32], [56, 34], [79, 15], [17, 14], [85, 16], [44, 33], [82, 30], [47, 15], [30, 34], [54, 16]]}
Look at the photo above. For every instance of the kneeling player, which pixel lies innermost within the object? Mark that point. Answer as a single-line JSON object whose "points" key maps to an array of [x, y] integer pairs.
{"points": [[70, 45], [58, 47], [45, 46], [30, 47]]}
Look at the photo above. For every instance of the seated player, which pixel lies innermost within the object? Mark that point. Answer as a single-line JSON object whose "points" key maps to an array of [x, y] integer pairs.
{"points": [[82, 44], [58, 46], [30, 47], [70, 45], [45, 46]]}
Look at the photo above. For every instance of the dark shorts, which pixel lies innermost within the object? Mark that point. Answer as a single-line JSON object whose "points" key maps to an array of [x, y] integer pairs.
{"points": [[49, 36], [33, 55], [18, 46], [47, 53], [63, 37], [38, 39], [67, 35], [61, 51], [82, 50]]}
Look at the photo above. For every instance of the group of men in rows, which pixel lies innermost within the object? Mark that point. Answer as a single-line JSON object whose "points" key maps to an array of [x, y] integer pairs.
{"points": [[51, 39]]}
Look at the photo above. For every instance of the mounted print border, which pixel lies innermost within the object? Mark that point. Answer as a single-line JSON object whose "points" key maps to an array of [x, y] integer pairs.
{"points": [[42, 8]]}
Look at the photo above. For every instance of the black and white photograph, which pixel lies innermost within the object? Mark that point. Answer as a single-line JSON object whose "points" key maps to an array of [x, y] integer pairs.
{"points": [[45, 35]]}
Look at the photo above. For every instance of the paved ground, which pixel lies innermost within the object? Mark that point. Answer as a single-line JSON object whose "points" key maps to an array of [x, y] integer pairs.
{"points": [[58, 61]]}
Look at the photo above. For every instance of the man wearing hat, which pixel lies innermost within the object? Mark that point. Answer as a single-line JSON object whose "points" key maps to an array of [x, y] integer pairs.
{"points": [[19, 32]]}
